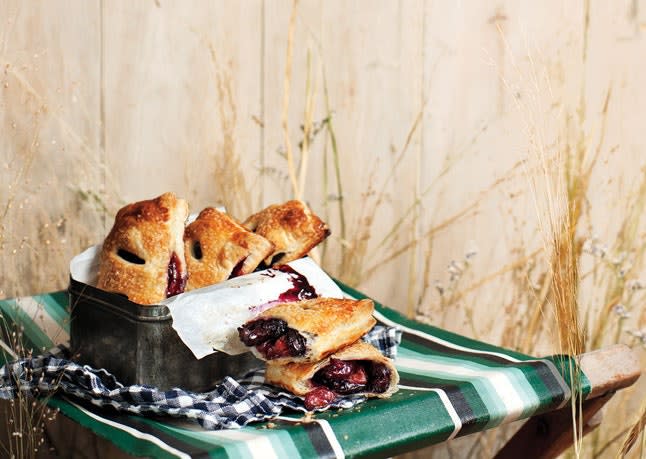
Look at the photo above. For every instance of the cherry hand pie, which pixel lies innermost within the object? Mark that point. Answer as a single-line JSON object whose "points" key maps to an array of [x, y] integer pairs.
{"points": [[356, 369], [143, 255], [292, 227], [308, 330], [218, 248]]}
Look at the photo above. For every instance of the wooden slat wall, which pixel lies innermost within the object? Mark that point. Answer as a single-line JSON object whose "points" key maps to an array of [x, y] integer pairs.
{"points": [[178, 82]]}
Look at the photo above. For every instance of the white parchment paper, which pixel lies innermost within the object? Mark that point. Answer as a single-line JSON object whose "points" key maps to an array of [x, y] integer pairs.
{"points": [[207, 319]]}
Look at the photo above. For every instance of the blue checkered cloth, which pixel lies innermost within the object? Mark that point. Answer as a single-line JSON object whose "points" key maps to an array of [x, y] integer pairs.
{"points": [[232, 404]]}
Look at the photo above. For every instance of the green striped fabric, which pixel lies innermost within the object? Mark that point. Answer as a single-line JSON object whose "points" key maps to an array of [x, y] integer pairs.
{"points": [[450, 385]]}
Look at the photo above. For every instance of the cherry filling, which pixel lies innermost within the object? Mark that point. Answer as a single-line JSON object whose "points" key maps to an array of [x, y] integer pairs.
{"points": [[273, 338], [379, 378], [346, 377], [237, 269], [342, 376], [301, 290], [176, 279], [261, 330]]}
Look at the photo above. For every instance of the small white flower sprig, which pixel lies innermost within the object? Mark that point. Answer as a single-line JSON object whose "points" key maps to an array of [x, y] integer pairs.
{"points": [[628, 292]]}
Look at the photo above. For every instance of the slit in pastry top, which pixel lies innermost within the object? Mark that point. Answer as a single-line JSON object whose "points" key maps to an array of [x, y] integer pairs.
{"points": [[293, 229], [308, 330], [143, 254], [219, 248]]}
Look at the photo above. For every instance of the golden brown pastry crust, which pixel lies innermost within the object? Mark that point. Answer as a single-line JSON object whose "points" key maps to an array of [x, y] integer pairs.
{"points": [[297, 377], [152, 230], [292, 227], [327, 324], [223, 243]]}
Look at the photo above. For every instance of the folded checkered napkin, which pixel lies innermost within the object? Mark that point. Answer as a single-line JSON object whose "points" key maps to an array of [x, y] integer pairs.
{"points": [[233, 403]]}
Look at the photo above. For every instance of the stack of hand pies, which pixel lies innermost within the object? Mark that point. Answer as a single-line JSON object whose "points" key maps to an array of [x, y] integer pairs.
{"points": [[313, 348], [150, 254]]}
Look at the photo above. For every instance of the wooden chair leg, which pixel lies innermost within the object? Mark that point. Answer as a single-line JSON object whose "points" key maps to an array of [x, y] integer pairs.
{"points": [[548, 435]]}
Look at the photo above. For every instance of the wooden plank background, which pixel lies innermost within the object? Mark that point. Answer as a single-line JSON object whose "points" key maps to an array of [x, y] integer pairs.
{"points": [[438, 114], [116, 102]]}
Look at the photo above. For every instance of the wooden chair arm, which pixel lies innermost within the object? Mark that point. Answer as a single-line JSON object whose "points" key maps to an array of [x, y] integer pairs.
{"points": [[547, 435], [610, 369]]}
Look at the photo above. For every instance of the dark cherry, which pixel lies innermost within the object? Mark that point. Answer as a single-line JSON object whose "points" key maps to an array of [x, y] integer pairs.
{"points": [[176, 279], [273, 338], [358, 376], [261, 331], [295, 342], [319, 397], [291, 344], [273, 350], [335, 369], [347, 377], [342, 376], [379, 377], [237, 269]]}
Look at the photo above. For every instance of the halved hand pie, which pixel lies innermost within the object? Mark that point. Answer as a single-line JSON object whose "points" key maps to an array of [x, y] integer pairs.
{"points": [[356, 369], [307, 331], [292, 227], [218, 248], [143, 255]]}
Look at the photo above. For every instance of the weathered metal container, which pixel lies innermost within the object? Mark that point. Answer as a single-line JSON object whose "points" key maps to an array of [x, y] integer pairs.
{"points": [[138, 344]]}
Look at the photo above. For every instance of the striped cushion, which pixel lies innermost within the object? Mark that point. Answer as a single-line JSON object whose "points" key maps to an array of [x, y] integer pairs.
{"points": [[450, 385]]}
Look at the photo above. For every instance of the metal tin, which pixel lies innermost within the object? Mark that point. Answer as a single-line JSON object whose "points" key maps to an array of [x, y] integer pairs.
{"points": [[138, 344]]}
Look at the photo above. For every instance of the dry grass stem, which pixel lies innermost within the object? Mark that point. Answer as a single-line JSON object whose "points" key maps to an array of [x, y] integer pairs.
{"points": [[23, 422], [291, 166], [229, 180], [329, 127], [354, 256], [635, 432], [308, 127]]}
